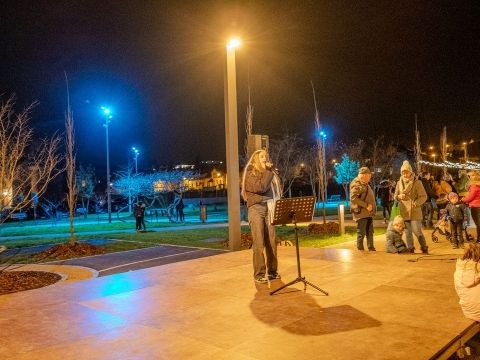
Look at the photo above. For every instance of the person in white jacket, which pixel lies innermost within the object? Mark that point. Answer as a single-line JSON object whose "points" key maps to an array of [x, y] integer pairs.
{"points": [[467, 281]]}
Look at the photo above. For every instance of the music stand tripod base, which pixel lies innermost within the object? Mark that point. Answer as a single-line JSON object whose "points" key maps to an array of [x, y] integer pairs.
{"points": [[291, 211]]}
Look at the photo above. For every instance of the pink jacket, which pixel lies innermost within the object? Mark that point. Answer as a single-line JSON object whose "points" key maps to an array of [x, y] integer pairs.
{"points": [[473, 197]]}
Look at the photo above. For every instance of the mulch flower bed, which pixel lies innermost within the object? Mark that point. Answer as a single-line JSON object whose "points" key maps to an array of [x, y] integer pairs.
{"points": [[14, 281], [68, 251], [327, 228]]}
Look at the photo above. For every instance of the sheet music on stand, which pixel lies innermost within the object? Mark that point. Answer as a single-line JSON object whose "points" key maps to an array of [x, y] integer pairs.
{"points": [[301, 207]]}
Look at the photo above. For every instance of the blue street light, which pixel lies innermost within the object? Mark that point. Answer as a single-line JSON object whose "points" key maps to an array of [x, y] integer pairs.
{"points": [[136, 152], [108, 116]]}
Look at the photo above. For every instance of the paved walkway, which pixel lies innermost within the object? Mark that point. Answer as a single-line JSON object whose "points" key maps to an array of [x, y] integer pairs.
{"points": [[380, 306]]}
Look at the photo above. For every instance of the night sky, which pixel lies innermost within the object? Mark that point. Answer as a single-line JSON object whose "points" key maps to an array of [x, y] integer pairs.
{"points": [[159, 65]]}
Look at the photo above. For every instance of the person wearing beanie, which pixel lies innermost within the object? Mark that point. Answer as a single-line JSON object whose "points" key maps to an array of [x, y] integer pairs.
{"points": [[473, 198], [395, 244], [363, 207], [456, 216], [411, 195]]}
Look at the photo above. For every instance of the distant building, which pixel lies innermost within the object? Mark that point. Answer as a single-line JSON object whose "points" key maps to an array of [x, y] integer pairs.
{"points": [[215, 180]]}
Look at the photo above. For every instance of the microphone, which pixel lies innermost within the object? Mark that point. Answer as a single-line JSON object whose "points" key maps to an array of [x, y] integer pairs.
{"points": [[270, 167]]}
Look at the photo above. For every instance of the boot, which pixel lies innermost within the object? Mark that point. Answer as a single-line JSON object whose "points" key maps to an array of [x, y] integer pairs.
{"points": [[425, 250]]}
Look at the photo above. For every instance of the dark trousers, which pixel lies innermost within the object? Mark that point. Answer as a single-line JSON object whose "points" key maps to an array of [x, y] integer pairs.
{"points": [[427, 212], [365, 228], [456, 229], [476, 220], [386, 209], [140, 221], [263, 235]]}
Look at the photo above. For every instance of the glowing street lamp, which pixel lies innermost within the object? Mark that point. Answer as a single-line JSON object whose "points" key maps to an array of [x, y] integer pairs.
{"points": [[107, 112], [231, 137], [136, 152], [433, 156]]}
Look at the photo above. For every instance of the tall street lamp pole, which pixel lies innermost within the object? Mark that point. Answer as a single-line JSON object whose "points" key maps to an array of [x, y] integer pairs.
{"points": [[136, 152], [108, 116], [231, 137], [324, 136]]}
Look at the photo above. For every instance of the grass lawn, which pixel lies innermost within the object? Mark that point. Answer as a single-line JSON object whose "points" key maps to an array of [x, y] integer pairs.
{"points": [[206, 238]]}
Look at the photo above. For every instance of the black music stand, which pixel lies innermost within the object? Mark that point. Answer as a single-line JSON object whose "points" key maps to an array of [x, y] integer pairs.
{"points": [[291, 211]]}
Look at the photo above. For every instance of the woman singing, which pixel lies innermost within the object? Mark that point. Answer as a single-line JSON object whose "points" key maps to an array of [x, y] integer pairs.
{"points": [[260, 189]]}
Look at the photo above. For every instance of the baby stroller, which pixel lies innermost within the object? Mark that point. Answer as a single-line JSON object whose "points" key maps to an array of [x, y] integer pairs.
{"points": [[442, 226]]}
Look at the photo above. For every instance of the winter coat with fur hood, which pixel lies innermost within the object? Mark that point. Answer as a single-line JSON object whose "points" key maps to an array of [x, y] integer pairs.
{"points": [[467, 285]]}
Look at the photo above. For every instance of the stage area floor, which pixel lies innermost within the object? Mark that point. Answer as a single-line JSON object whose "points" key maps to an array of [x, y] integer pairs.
{"points": [[380, 306]]}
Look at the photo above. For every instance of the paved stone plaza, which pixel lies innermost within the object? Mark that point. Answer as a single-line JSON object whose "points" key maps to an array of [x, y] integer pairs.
{"points": [[379, 306]]}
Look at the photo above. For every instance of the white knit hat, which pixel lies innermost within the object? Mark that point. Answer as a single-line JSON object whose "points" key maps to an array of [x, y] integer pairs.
{"points": [[406, 166]]}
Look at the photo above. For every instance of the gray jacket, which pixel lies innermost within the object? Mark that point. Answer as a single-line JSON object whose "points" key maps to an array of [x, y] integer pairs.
{"points": [[394, 243], [361, 195]]}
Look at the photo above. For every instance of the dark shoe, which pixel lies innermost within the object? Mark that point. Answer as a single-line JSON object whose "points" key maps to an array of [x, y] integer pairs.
{"points": [[361, 249], [411, 250], [274, 276], [261, 279], [425, 250], [372, 249]]}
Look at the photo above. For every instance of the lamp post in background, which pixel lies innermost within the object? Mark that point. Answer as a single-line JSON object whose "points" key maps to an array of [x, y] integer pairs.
{"points": [[324, 169], [465, 154], [136, 152], [231, 139], [108, 116]]}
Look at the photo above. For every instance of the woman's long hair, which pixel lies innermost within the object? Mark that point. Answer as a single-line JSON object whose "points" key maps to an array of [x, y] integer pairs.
{"points": [[472, 252], [253, 164]]}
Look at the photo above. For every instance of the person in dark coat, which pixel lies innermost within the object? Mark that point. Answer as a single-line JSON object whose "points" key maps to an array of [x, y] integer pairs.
{"points": [[456, 216], [427, 207], [139, 213], [179, 209], [385, 193]]}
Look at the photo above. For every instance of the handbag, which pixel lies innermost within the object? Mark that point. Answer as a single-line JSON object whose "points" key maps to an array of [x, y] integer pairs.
{"points": [[395, 211]]}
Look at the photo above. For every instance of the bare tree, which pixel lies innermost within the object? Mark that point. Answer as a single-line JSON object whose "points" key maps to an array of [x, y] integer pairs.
{"points": [[309, 167], [380, 155], [286, 157], [321, 166], [85, 179], [24, 174], [70, 159], [355, 151], [443, 148], [418, 148]]}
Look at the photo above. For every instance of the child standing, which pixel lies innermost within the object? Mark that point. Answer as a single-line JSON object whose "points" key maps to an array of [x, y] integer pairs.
{"points": [[395, 244], [456, 215]]}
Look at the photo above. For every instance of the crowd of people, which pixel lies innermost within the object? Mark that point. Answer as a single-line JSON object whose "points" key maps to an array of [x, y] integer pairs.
{"points": [[420, 200]]}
